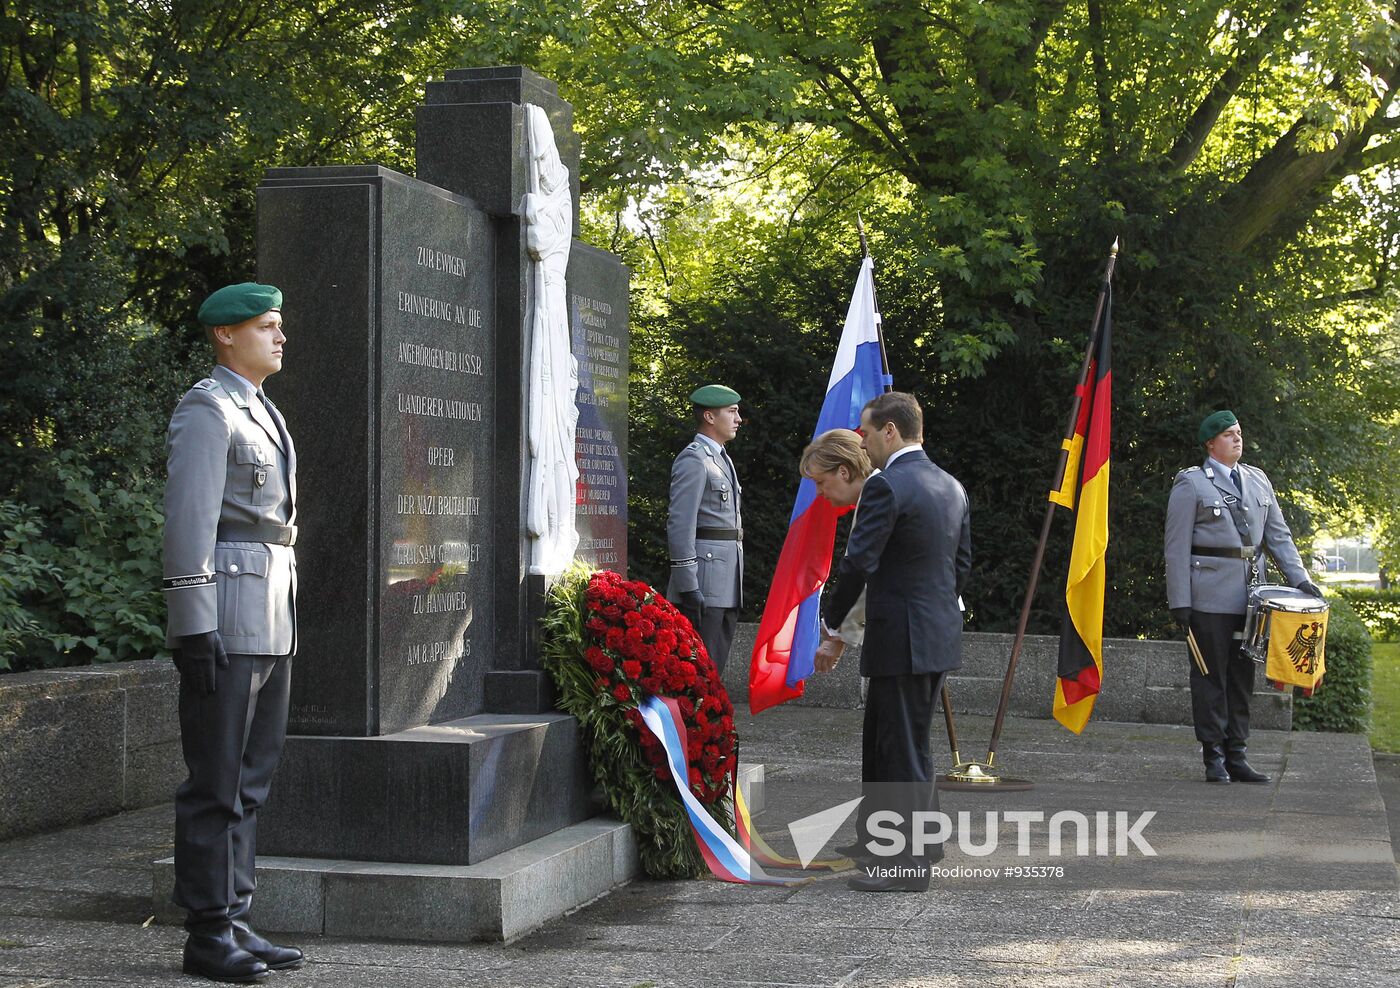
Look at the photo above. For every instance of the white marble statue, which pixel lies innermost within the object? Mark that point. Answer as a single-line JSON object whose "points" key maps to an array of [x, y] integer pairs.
{"points": [[548, 211]]}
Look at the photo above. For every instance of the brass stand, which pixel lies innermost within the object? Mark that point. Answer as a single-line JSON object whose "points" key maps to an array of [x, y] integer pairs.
{"points": [[974, 776]]}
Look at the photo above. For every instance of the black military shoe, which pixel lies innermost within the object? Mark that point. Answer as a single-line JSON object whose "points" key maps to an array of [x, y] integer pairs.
{"points": [[276, 957], [212, 953], [876, 883], [1241, 771], [1215, 764]]}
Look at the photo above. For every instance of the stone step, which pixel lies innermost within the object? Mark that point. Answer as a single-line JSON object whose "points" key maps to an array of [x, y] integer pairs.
{"points": [[501, 898], [455, 793]]}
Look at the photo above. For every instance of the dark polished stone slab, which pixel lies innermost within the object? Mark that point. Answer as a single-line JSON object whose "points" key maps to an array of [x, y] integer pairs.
{"points": [[519, 691], [451, 793], [469, 134], [388, 390], [598, 320]]}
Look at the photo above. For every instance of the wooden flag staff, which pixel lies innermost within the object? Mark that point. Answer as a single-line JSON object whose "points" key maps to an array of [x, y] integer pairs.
{"points": [[985, 775]]}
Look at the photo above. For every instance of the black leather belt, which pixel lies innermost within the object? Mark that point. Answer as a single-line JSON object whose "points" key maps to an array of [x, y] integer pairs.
{"points": [[237, 531], [1225, 552], [720, 534]]}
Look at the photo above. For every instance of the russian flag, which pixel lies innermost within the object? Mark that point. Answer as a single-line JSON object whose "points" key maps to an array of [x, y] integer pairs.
{"points": [[789, 631]]}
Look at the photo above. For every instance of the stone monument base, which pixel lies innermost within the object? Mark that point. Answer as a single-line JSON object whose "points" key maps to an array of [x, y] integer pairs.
{"points": [[454, 793], [501, 898]]}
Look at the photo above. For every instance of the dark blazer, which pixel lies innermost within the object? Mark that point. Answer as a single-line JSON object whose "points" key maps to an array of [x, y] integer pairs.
{"points": [[911, 550]]}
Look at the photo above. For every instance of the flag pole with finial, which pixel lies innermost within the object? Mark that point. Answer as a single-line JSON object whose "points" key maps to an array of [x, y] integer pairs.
{"points": [[982, 776], [889, 386]]}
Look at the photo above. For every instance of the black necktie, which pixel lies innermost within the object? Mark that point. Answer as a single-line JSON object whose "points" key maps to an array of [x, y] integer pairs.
{"points": [[276, 421], [1235, 479]]}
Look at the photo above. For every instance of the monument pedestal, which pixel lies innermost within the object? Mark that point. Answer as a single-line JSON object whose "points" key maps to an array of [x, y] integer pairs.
{"points": [[501, 898], [454, 793]]}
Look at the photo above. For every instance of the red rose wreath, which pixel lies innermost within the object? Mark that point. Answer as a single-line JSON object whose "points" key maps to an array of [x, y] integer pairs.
{"points": [[608, 642]]}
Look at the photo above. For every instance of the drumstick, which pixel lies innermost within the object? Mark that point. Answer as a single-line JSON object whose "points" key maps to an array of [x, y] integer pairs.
{"points": [[1196, 652]]}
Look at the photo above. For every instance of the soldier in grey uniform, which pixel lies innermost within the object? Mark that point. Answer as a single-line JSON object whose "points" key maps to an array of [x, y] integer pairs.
{"points": [[1222, 518], [704, 530], [230, 590]]}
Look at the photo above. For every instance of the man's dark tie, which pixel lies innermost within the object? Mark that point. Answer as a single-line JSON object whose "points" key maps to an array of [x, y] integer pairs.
{"points": [[1235, 479]]}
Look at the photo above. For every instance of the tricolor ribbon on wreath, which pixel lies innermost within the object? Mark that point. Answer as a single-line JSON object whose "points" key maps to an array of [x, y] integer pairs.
{"points": [[728, 859]]}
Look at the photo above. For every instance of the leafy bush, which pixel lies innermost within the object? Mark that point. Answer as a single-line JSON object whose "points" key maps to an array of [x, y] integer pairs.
{"points": [[80, 570], [1343, 702], [1379, 610]]}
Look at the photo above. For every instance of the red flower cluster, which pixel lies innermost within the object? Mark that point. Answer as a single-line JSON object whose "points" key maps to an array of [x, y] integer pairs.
{"points": [[638, 643]]}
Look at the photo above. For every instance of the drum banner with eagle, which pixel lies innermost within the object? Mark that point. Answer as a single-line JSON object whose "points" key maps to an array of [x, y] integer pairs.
{"points": [[1296, 649]]}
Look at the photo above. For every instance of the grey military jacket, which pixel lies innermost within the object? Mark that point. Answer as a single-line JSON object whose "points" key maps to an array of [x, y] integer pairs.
{"points": [[230, 514], [1199, 514], [703, 495]]}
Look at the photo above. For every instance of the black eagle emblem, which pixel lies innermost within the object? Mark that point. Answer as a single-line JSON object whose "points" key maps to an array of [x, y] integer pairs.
{"points": [[1302, 650]]}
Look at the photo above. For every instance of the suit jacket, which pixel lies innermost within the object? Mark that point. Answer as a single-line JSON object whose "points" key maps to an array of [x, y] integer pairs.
{"points": [[703, 495], [910, 549], [230, 499], [1199, 513]]}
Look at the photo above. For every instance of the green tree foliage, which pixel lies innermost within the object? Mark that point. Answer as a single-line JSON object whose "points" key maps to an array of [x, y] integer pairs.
{"points": [[1242, 154], [136, 134]]}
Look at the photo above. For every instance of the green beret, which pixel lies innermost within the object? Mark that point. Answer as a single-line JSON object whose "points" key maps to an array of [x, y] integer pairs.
{"points": [[1215, 423], [234, 304], [714, 396]]}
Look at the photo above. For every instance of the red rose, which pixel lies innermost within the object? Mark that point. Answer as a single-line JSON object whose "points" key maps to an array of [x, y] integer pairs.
{"points": [[622, 692], [599, 660], [632, 669]]}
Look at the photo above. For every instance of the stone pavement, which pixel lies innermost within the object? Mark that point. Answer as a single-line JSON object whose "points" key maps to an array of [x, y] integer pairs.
{"points": [[1293, 883]]}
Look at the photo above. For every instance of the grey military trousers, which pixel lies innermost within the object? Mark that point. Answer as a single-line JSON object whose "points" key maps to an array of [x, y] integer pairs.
{"points": [[717, 626], [232, 740]]}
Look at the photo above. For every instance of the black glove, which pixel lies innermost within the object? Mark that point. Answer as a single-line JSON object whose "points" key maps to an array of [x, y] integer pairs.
{"points": [[1182, 616], [1309, 587], [198, 658], [692, 605]]}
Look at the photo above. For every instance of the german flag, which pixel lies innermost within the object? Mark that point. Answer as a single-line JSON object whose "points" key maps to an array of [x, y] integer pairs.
{"points": [[1085, 491]]}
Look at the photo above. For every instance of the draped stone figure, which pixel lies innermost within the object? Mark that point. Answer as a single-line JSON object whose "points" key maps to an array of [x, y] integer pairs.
{"points": [[553, 415]]}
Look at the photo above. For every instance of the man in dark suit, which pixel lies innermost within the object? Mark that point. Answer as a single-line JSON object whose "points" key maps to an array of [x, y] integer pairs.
{"points": [[910, 549]]}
